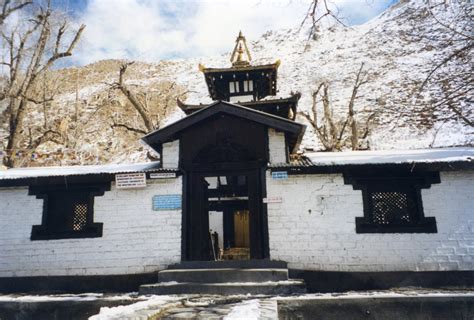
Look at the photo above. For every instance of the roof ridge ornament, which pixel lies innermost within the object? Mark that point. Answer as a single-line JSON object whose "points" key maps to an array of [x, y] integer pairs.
{"points": [[237, 59]]}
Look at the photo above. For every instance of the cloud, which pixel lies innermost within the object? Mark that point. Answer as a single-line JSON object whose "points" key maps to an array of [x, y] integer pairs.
{"points": [[127, 29], [151, 30]]}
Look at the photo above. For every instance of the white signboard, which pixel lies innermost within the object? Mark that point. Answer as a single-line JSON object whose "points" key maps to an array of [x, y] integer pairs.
{"points": [[272, 200], [130, 180], [162, 175]]}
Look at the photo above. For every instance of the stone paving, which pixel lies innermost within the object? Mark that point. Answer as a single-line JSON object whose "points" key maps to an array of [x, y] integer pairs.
{"points": [[211, 307]]}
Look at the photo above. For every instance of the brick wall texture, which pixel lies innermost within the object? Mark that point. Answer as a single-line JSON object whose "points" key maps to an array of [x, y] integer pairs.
{"points": [[135, 238], [314, 227]]}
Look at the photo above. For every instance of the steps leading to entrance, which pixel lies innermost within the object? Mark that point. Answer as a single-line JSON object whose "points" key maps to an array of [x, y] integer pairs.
{"points": [[222, 275], [236, 264], [270, 288], [225, 277]]}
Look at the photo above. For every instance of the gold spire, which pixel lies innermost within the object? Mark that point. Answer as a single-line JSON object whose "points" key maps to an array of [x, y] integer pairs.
{"points": [[237, 59]]}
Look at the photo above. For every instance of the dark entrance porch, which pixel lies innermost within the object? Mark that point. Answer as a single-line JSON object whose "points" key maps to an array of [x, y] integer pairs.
{"points": [[224, 142], [235, 198]]}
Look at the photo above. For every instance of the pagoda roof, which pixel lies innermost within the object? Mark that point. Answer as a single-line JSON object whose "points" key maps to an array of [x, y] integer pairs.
{"points": [[190, 108], [274, 66]]}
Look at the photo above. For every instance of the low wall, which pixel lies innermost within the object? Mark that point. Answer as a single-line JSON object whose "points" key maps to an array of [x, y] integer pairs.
{"points": [[373, 307], [135, 239], [313, 228]]}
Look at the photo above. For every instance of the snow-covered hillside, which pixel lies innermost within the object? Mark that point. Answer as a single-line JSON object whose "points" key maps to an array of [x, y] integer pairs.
{"points": [[397, 62], [392, 46]]}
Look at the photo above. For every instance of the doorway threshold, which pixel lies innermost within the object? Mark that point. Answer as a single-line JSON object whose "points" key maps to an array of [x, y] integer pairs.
{"points": [[236, 264]]}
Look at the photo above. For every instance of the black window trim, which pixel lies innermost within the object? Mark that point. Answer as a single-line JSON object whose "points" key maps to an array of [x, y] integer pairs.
{"points": [[92, 229], [406, 182]]}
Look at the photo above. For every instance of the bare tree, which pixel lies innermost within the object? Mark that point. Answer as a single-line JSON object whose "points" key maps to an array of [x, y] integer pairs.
{"points": [[317, 11], [449, 79], [140, 105], [9, 7], [165, 96], [334, 133], [32, 49]]}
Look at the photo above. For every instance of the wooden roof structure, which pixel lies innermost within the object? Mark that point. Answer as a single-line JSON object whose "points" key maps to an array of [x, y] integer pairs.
{"points": [[282, 107], [293, 131]]}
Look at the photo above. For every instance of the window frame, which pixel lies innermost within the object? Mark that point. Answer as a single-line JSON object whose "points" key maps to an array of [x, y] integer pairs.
{"points": [[248, 86], [407, 183], [234, 87], [49, 230]]}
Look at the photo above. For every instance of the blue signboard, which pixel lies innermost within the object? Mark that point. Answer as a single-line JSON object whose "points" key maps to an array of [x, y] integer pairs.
{"points": [[279, 175], [167, 202]]}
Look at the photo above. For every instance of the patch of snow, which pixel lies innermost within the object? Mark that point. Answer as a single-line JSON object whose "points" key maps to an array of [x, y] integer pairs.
{"points": [[247, 310], [65, 297], [379, 294], [153, 302]]}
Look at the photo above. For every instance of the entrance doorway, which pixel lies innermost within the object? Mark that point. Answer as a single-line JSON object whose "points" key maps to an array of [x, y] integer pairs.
{"points": [[224, 216], [229, 217]]}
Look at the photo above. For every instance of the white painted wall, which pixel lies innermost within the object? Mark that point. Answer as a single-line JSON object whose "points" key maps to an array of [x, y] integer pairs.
{"points": [[135, 238], [314, 227], [170, 154], [276, 146]]}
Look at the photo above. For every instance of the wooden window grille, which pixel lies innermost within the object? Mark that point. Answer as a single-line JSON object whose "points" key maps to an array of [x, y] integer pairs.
{"points": [[79, 216], [393, 204], [68, 211], [392, 207]]}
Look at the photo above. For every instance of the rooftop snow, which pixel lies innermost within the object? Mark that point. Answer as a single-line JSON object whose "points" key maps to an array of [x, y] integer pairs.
{"points": [[19, 173], [317, 159], [391, 156]]}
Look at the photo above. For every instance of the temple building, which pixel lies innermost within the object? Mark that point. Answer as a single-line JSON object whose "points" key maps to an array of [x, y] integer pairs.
{"points": [[247, 85], [230, 194]]}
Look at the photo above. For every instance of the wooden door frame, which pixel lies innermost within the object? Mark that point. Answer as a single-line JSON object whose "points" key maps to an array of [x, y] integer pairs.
{"points": [[258, 224]]}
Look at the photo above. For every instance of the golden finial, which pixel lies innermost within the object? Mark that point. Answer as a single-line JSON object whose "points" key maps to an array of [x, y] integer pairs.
{"points": [[237, 58]]}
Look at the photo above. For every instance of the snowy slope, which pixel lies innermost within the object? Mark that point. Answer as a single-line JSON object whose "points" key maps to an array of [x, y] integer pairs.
{"points": [[396, 60]]}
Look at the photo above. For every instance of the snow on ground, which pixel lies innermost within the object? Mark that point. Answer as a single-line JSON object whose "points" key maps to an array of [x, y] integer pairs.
{"points": [[66, 297], [250, 307], [413, 292], [153, 303], [247, 310]]}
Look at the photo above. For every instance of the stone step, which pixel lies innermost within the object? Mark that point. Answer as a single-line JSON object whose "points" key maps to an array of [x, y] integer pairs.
{"points": [[267, 288], [222, 275], [236, 264]]}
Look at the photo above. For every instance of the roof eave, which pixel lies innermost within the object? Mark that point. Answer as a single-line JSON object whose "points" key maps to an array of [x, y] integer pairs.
{"points": [[168, 134], [245, 68]]}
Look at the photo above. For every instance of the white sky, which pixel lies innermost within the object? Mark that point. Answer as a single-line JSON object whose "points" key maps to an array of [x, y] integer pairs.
{"points": [[151, 30]]}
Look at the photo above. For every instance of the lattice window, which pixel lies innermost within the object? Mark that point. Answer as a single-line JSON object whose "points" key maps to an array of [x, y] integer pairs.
{"points": [[393, 204], [68, 211], [79, 216], [392, 207]]}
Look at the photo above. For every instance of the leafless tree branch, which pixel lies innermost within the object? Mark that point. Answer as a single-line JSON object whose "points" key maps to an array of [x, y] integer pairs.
{"points": [[8, 8], [332, 132]]}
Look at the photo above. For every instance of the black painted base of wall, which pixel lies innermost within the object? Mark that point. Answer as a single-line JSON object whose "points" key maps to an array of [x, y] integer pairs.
{"points": [[372, 307], [316, 281], [76, 284], [56, 310], [329, 281]]}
